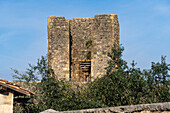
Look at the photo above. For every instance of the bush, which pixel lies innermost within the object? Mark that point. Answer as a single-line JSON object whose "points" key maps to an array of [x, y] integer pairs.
{"points": [[121, 85]]}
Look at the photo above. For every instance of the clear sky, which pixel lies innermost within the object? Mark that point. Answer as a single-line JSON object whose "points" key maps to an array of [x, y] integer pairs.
{"points": [[144, 28]]}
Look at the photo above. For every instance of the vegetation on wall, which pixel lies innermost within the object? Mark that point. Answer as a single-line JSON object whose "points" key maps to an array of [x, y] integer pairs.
{"points": [[89, 43], [121, 85], [88, 56]]}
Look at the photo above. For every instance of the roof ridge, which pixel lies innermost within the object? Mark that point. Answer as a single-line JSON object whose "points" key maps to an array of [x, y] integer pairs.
{"points": [[15, 87]]}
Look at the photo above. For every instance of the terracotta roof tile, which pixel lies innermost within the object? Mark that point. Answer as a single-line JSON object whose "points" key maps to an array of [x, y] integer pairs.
{"points": [[15, 87]]}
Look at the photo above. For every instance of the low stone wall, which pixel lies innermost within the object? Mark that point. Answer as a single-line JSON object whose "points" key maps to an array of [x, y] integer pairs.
{"points": [[141, 108]]}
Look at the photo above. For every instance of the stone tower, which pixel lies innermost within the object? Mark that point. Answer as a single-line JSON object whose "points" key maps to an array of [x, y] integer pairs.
{"points": [[77, 49]]}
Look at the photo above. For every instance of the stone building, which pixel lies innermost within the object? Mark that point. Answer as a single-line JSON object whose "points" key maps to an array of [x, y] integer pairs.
{"points": [[8, 93], [77, 49]]}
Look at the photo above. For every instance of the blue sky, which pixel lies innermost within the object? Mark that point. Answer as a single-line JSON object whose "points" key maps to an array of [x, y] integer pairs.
{"points": [[144, 28]]}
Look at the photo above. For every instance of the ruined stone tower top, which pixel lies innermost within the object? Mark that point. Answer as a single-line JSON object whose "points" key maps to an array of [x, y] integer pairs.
{"points": [[77, 49]]}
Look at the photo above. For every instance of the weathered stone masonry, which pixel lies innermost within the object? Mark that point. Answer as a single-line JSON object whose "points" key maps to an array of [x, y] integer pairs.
{"points": [[141, 108], [77, 49]]}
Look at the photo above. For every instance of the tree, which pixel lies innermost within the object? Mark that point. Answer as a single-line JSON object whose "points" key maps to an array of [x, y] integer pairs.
{"points": [[158, 81], [111, 88], [124, 85], [52, 93], [121, 85]]}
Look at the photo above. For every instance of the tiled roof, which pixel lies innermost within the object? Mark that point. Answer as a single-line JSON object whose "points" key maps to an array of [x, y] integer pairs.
{"points": [[15, 87]]}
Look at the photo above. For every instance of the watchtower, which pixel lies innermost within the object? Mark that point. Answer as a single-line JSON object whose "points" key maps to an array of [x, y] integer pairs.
{"points": [[77, 49]]}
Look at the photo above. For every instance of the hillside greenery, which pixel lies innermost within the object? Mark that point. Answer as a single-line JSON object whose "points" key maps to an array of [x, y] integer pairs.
{"points": [[121, 85]]}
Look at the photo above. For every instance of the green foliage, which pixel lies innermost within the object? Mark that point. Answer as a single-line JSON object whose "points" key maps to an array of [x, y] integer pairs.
{"points": [[52, 93], [88, 56], [121, 85], [18, 108], [158, 81], [89, 43]]}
